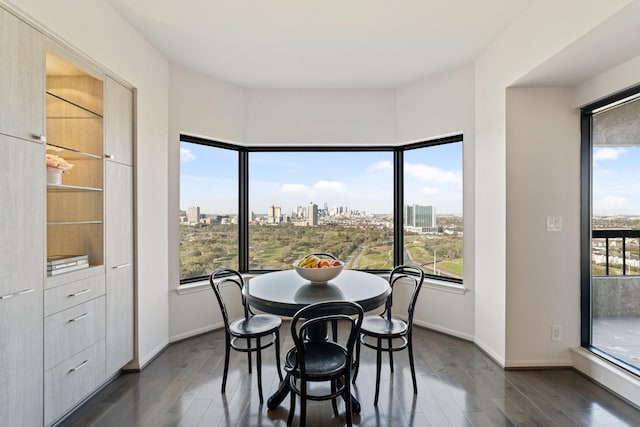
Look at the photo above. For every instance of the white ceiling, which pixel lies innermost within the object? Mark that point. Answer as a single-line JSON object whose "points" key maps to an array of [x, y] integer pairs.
{"points": [[320, 43]]}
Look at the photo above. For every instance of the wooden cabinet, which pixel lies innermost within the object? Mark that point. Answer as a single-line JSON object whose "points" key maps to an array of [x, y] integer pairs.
{"points": [[21, 78], [118, 144], [119, 214], [59, 329], [21, 277]]}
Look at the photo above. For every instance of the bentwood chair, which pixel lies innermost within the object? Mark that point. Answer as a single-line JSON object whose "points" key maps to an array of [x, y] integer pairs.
{"points": [[247, 333], [385, 333], [323, 360]]}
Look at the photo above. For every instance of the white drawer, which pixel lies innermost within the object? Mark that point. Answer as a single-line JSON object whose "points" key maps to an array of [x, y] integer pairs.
{"points": [[71, 331], [71, 294], [73, 380]]}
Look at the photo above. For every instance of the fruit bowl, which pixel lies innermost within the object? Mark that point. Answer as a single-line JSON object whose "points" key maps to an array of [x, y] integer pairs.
{"points": [[319, 274]]}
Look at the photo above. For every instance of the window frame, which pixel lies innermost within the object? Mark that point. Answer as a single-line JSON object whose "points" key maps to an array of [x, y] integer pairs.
{"points": [[586, 231], [398, 190]]}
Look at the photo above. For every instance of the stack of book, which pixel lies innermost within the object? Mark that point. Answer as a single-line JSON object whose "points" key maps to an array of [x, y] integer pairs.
{"points": [[58, 264]]}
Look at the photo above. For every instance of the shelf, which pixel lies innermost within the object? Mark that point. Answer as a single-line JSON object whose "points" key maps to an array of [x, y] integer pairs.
{"points": [[83, 113], [69, 188], [78, 154], [74, 223]]}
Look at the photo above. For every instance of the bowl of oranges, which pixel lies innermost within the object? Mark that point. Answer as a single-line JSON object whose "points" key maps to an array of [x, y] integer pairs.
{"points": [[319, 268]]}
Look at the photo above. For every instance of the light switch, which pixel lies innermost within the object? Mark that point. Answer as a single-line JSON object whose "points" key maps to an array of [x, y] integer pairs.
{"points": [[554, 223]]}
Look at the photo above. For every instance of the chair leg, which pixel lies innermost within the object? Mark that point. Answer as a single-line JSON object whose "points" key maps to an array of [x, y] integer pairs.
{"points": [[259, 369], [249, 353], [378, 366], [334, 404], [413, 368], [390, 354], [278, 354], [227, 349], [292, 406], [303, 403], [347, 402], [355, 371]]}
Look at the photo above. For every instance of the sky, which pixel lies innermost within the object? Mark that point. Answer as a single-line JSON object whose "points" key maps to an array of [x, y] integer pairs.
{"points": [[361, 181], [615, 181]]}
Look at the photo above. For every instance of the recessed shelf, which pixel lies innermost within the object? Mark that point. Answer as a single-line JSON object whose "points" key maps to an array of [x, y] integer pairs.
{"points": [[68, 188], [79, 154], [74, 222], [84, 113]]}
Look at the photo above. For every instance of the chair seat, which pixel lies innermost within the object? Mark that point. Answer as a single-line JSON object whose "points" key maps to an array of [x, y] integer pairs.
{"points": [[381, 327], [255, 326], [323, 360]]}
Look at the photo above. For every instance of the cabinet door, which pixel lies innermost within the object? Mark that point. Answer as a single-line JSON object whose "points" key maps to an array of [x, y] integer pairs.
{"points": [[119, 265], [21, 281], [118, 117], [21, 78]]}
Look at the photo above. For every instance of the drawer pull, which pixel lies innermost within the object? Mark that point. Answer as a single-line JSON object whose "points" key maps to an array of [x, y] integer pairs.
{"points": [[17, 294], [78, 318], [84, 291], [77, 368], [122, 265]]}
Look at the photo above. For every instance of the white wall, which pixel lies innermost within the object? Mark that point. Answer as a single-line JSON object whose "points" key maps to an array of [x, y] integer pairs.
{"points": [[206, 107], [320, 116], [543, 30], [95, 29], [442, 105], [542, 267]]}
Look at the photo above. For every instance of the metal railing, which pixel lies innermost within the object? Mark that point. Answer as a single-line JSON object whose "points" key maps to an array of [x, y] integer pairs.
{"points": [[623, 235]]}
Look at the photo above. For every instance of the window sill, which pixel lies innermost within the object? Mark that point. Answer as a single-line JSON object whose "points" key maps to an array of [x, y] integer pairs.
{"points": [[444, 286], [193, 287]]}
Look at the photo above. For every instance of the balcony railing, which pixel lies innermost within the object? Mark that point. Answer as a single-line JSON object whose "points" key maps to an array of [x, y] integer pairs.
{"points": [[615, 255]]}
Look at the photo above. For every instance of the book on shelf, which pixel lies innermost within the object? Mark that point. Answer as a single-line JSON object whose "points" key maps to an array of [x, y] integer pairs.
{"points": [[68, 269], [64, 263]]}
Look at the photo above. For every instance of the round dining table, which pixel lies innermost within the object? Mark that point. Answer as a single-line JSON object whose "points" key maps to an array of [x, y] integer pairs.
{"points": [[285, 292]]}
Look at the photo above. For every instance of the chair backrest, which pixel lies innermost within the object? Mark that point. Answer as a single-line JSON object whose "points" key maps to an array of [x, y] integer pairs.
{"points": [[412, 274], [321, 314], [227, 276]]}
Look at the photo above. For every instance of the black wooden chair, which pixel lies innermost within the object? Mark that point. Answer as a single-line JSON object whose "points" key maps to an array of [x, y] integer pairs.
{"points": [[323, 360], [245, 334], [385, 333]]}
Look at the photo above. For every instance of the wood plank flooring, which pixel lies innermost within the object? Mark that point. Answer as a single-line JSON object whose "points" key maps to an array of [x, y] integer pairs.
{"points": [[458, 385]]}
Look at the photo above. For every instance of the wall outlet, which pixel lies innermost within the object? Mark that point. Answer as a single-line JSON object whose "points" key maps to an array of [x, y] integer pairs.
{"points": [[556, 333], [554, 223]]}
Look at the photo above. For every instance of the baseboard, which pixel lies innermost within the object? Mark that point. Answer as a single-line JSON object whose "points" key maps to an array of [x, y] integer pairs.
{"points": [[194, 333], [447, 331], [539, 364], [489, 352]]}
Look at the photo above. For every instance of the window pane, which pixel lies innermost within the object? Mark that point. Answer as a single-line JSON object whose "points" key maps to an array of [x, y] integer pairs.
{"points": [[433, 233], [615, 224], [336, 202], [208, 209]]}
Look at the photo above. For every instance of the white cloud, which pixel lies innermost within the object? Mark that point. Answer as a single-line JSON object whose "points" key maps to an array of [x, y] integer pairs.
{"points": [[329, 186], [610, 204], [383, 165], [426, 173], [429, 190], [608, 153], [186, 155], [294, 189]]}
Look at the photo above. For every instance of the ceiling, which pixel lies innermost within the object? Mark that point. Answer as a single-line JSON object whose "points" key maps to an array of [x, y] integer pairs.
{"points": [[320, 43]]}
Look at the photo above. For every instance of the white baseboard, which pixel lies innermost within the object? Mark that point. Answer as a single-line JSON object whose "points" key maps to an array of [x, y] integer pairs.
{"points": [[196, 332]]}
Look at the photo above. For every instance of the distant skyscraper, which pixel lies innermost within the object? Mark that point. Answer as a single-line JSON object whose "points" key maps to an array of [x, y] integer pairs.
{"points": [[193, 215], [420, 218], [274, 214], [312, 214]]}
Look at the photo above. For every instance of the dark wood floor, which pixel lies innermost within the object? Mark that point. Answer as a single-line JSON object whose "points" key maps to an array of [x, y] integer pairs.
{"points": [[458, 385]]}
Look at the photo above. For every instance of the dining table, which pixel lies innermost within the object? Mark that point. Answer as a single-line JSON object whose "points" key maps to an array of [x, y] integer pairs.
{"points": [[285, 292]]}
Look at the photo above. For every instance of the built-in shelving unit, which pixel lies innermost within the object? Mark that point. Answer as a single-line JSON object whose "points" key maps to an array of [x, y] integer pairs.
{"points": [[75, 206]]}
